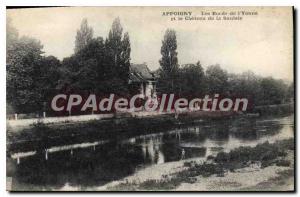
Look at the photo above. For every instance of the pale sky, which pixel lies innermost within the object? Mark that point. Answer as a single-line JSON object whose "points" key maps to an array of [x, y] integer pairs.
{"points": [[262, 43]]}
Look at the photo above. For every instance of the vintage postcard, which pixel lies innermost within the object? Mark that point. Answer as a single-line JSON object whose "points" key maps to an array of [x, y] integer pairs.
{"points": [[150, 99]]}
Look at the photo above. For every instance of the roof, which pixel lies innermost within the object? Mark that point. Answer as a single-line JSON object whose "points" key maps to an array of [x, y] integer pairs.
{"points": [[140, 73]]}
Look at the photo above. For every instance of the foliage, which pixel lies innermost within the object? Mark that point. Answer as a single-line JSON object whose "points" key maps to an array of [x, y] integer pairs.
{"points": [[118, 58], [30, 76], [261, 152], [192, 79], [273, 91], [283, 162], [169, 68], [84, 70], [236, 158], [12, 36], [84, 35], [246, 84], [217, 80], [101, 65]]}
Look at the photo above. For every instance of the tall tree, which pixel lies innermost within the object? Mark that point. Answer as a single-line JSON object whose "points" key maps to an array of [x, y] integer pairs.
{"points": [[169, 61], [84, 35], [99, 66], [125, 56], [117, 57], [114, 41], [84, 70]]}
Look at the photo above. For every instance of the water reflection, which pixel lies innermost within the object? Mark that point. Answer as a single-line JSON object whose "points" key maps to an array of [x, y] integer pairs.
{"points": [[95, 163]]}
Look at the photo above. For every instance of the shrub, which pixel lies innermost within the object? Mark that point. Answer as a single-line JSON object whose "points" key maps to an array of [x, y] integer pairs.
{"points": [[264, 153], [222, 157], [283, 162]]}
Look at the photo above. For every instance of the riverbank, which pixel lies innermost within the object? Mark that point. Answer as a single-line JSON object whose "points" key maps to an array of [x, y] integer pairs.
{"points": [[266, 167], [80, 163], [44, 135], [19, 124]]}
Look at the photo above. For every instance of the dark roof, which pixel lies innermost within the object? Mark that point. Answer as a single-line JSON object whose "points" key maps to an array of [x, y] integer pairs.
{"points": [[140, 73]]}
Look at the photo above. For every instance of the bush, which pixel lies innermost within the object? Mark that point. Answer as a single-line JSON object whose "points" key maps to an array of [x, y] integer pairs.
{"points": [[283, 162], [189, 163], [222, 157], [287, 144], [264, 153], [153, 184], [210, 157]]}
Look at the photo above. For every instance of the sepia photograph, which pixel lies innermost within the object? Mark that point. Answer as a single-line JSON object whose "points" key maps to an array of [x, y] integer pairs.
{"points": [[150, 99]]}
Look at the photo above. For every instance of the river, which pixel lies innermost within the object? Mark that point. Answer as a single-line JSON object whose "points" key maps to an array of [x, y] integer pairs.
{"points": [[97, 162]]}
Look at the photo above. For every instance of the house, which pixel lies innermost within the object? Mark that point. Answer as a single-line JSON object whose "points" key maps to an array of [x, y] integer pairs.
{"points": [[142, 80]]}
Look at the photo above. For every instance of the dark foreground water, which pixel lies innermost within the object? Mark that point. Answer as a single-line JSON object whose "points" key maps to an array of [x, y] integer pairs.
{"points": [[97, 162]]}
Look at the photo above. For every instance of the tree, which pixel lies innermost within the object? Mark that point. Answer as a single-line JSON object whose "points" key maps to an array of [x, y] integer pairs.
{"points": [[117, 57], [169, 62], [290, 92], [245, 85], [217, 80], [192, 79], [48, 77], [125, 56], [31, 77], [84, 35], [22, 73], [99, 67], [273, 91], [114, 46], [84, 70], [12, 37]]}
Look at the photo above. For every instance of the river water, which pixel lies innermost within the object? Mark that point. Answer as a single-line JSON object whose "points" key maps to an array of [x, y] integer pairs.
{"points": [[97, 162]]}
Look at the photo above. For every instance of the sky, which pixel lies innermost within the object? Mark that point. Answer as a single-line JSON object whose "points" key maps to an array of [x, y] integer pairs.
{"points": [[262, 43]]}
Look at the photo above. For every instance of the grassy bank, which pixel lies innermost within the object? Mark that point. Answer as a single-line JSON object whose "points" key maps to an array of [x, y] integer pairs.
{"points": [[274, 110], [40, 135], [262, 155]]}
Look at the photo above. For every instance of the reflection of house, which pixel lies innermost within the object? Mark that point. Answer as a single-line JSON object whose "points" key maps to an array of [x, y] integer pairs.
{"points": [[142, 80]]}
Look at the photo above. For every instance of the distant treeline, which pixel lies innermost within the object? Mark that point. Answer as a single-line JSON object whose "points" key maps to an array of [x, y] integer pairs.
{"points": [[101, 65]]}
